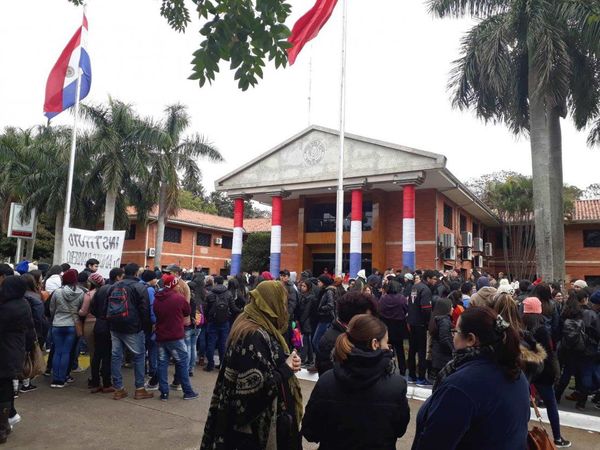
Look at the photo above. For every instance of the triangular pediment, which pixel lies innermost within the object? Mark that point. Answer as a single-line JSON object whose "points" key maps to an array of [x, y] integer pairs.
{"points": [[313, 156]]}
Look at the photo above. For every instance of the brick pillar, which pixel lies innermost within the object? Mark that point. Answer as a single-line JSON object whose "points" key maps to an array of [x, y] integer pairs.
{"points": [[408, 226], [238, 236], [356, 232], [277, 208]]}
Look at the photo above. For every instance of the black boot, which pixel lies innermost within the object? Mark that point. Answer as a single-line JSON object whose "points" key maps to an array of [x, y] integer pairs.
{"points": [[4, 425]]}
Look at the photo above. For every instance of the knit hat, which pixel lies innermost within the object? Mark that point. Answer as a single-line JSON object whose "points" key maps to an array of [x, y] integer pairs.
{"points": [[482, 282], [70, 277], [96, 279], [325, 280], [409, 276], [169, 281], [532, 305], [22, 267], [579, 283], [266, 276], [484, 297], [505, 286], [595, 298], [361, 274]]}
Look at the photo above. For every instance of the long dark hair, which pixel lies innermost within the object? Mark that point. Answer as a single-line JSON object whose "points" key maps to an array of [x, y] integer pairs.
{"points": [[443, 307], [572, 308], [456, 298], [483, 323], [543, 292]]}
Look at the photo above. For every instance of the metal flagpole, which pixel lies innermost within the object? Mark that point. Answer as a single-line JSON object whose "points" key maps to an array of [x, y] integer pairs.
{"points": [[67, 223], [339, 218]]}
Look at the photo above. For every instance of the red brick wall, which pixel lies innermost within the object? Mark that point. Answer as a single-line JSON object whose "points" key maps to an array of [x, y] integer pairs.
{"points": [[580, 260]]}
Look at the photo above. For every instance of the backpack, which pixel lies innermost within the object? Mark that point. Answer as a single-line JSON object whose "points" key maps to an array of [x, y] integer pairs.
{"points": [[573, 335], [119, 308], [220, 310]]}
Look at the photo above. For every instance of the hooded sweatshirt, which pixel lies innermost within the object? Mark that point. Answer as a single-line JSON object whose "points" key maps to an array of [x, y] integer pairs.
{"points": [[170, 308], [65, 305]]}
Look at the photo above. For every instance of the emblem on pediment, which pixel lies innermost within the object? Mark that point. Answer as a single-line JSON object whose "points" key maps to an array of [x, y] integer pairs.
{"points": [[313, 152]]}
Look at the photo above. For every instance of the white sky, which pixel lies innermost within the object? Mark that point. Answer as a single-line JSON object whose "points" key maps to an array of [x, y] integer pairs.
{"points": [[398, 63]]}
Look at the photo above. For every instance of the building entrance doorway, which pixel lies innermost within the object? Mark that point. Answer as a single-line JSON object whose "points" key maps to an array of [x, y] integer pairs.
{"points": [[327, 260]]}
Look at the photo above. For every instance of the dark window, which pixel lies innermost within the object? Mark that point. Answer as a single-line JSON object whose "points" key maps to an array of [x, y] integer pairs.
{"points": [[448, 216], [203, 239], [130, 235], [592, 280], [591, 238], [476, 230], [463, 223], [321, 217], [227, 242], [173, 235]]}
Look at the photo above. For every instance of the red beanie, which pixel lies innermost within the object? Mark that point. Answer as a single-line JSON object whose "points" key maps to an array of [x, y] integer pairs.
{"points": [[267, 276], [70, 277], [169, 281]]}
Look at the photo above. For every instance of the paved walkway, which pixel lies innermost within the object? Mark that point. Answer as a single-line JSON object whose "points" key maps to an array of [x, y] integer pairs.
{"points": [[72, 419]]}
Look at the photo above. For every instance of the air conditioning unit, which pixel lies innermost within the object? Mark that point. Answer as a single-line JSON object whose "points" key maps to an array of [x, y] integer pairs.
{"points": [[447, 240], [489, 249], [477, 244], [467, 238], [151, 252], [478, 261], [449, 254], [466, 254], [218, 241]]}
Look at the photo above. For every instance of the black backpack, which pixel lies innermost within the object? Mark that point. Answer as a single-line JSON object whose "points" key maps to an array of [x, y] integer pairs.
{"points": [[573, 335], [220, 310]]}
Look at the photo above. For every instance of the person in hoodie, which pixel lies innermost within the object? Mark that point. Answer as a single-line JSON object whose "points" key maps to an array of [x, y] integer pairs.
{"points": [[172, 313], [393, 307], [220, 307], [15, 323], [65, 304], [361, 403]]}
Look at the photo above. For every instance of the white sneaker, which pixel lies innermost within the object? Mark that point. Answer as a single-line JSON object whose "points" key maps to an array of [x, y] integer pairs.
{"points": [[78, 370], [14, 420]]}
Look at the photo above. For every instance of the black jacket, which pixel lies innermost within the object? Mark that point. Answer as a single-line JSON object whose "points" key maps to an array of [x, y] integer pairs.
{"points": [[419, 305], [15, 323], [307, 308], [326, 308], [98, 309], [326, 344], [441, 342], [360, 404], [139, 299], [211, 299]]}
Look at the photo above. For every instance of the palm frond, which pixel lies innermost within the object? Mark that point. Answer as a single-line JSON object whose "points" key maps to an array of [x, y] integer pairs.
{"points": [[474, 8]]}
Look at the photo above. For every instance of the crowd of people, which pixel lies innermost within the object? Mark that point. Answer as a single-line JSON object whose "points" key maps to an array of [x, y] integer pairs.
{"points": [[367, 338]]}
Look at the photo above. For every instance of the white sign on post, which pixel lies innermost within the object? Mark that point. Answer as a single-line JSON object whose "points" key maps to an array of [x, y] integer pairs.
{"points": [[17, 228], [81, 245]]}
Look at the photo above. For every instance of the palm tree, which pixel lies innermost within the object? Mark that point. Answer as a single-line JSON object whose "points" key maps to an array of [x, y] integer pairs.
{"points": [[173, 155], [119, 156], [527, 63]]}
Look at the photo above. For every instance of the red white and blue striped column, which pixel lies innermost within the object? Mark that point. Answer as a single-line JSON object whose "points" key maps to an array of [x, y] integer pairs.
{"points": [[408, 227], [276, 212], [356, 232], [238, 236]]}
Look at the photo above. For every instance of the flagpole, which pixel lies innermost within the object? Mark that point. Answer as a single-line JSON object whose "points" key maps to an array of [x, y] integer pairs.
{"points": [[67, 222], [339, 218]]}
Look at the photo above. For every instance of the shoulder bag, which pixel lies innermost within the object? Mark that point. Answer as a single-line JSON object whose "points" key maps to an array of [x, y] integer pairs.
{"points": [[537, 438]]}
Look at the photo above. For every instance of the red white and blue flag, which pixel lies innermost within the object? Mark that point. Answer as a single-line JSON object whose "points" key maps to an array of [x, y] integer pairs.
{"points": [[61, 87]]}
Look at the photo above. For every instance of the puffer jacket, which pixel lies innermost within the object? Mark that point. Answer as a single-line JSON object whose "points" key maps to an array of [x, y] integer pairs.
{"points": [[326, 308]]}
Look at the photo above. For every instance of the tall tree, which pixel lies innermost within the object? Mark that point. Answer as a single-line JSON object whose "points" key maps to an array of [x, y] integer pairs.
{"points": [[119, 156], [171, 154], [528, 63]]}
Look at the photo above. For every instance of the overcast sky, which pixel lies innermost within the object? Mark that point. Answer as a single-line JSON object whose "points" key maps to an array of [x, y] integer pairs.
{"points": [[398, 63]]}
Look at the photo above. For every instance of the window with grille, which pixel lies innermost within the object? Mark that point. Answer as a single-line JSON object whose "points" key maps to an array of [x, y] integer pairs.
{"points": [[227, 242], [130, 235], [173, 235], [448, 216], [203, 239], [591, 238]]}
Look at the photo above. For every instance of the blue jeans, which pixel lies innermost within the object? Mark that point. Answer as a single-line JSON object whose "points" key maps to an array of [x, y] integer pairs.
{"points": [[547, 394], [178, 351], [322, 327], [135, 343], [217, 335], [152, 350], [590, 376], [63, 338], [193, 340]]}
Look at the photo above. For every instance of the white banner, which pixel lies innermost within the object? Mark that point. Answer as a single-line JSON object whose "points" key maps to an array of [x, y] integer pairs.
{"points": [[81, 245], [18, 229]]}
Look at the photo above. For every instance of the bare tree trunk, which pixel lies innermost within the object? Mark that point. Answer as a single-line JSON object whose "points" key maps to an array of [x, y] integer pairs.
{"points": [[31, 242], [160, 225], [109, 210], [58, 237], [546, 158]]}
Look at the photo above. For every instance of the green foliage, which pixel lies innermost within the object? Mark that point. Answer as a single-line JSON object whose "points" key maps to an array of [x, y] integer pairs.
{"points": [[256, 252], [224, 206], [187, 200]]}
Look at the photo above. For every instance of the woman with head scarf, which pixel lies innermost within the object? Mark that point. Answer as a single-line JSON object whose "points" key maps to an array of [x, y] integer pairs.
{"points": [[257, 403]]}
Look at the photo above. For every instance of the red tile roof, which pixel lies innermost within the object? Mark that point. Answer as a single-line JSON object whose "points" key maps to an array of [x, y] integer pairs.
{"points": [[586, 210], [206, 220]]}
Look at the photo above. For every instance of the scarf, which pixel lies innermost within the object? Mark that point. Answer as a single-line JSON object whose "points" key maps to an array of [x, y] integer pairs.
{"points": [[268, 309], [460, 358]]}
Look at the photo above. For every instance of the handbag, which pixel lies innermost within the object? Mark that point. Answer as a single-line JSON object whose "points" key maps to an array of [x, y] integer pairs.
{"points": [[537, 438], [34, 362], [284, 422]]}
